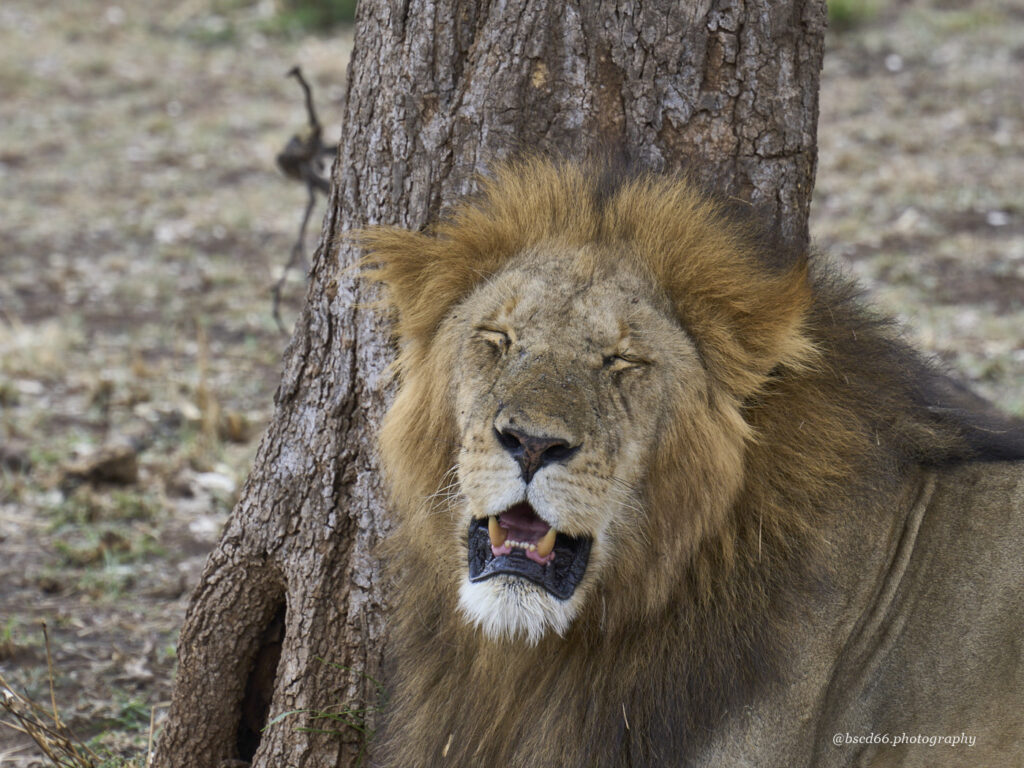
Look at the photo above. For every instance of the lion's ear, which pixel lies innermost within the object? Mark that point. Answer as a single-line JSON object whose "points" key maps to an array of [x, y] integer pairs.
{"points": [[416, 274]]}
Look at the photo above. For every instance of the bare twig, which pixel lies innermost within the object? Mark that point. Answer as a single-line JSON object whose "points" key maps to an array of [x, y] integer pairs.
{"points": [[297, 255], [314, 123], [302, 160], [49, 670], [149, 741]]}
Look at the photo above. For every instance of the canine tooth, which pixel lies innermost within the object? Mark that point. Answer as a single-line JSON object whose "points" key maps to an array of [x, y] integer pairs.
{"points": [[497, 533], [547, 543]]}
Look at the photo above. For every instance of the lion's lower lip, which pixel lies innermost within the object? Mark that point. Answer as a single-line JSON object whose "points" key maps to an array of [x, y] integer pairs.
{"points": [[559, 577]]}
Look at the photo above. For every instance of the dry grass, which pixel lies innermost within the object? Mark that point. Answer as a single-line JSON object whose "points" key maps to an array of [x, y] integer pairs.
{"points": [[48, 731], [144, 224], [921, 156]]}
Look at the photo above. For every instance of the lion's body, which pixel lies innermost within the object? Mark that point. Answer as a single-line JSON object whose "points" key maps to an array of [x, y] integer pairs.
{"points": [[772, 522]]}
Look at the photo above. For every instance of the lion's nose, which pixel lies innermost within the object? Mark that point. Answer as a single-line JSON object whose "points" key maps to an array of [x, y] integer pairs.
{"points": [[534, 451]]}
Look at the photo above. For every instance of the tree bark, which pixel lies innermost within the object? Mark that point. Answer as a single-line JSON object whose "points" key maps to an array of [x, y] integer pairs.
{"points": [[290, 615]]}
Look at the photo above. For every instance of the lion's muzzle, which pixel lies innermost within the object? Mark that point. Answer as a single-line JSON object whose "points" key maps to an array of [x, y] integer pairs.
{"points": [[519, 543]]}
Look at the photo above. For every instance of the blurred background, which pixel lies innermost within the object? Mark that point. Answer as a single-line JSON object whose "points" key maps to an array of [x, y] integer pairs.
{"points": [[143, 223]]}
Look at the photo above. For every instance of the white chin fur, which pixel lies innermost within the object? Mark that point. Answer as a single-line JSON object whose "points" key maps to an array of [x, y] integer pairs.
{"points": [[508, 607]]}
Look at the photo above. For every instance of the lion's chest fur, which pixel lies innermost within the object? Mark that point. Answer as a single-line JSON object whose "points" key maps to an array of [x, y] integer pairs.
{"points": [[913, 636]]}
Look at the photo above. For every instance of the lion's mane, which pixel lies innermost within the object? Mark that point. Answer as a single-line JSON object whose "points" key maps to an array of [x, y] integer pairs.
{"points": [[837, 408]]}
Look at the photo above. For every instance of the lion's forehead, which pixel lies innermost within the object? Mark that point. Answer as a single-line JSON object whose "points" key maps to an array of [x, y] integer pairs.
{"points": [[575, 353], [552, 305]]}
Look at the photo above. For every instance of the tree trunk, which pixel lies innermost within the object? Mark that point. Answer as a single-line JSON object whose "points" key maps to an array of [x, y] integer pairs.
{"points": [[291, 613]]}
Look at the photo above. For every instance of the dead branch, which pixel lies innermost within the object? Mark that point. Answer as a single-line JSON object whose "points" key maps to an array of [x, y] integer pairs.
{"points": [[302, 159]]}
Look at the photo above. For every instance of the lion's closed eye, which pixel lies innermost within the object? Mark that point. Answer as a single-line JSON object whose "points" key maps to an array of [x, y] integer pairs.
{"points": [[624, 361], [497, 338]]}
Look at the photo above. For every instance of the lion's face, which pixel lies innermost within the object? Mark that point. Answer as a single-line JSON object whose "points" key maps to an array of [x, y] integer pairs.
{"points": [[580, 374], [565, 378]]}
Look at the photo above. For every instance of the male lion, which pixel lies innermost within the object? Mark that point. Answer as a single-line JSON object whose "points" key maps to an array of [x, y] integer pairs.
{"points": [[667, 496]]}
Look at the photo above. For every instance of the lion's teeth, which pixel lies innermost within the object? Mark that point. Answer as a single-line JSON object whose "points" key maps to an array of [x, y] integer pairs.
{"points": [[547, 543], [500, 538], [497, 533]]}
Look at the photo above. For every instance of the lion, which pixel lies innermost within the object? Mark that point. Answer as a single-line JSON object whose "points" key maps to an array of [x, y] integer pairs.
{"points": [[669, 495]]}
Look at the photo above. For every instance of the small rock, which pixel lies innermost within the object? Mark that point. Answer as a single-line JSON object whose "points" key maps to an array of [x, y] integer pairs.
{"points": [[205, 527], [29, 387], [137, 670], [234, 427], [118, 465], [215, 482], [189, 411], [49, 584], [997, 218], [14, 456]]}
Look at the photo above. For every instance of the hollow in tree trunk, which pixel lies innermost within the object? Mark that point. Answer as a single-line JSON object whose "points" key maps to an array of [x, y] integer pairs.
{"points": [[284, 653]]}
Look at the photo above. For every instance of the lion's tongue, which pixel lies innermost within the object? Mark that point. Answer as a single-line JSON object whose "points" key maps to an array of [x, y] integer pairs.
{"points": [[523, 525]]}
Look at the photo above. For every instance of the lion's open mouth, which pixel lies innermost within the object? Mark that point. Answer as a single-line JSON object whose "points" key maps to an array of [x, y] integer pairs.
{"points": [[518, 543]]}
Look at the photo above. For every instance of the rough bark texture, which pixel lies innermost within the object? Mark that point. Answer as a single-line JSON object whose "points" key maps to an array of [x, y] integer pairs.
{"points": [[438, 89]]}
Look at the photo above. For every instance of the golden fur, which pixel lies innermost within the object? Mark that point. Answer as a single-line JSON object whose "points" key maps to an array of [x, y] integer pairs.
{"points": [[775, 405]]}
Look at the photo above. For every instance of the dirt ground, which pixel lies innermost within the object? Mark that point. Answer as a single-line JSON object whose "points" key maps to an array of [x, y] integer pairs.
{"points": [[920, 186], [143, 223]]}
